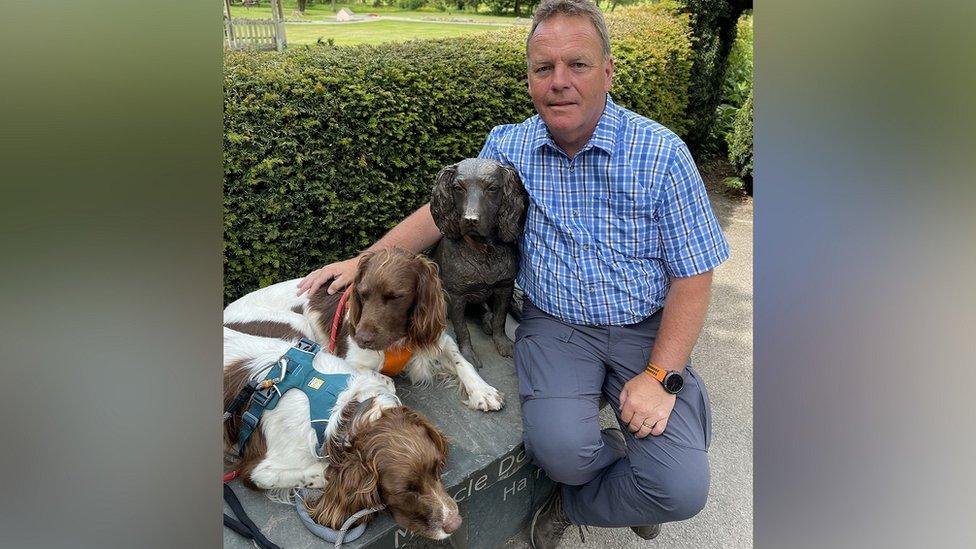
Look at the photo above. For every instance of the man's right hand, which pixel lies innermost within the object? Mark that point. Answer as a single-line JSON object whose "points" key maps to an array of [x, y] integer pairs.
{"points": [[341, 273]]}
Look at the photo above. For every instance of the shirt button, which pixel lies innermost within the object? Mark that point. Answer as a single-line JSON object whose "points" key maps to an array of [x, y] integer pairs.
{"points": [[586, 247], [572, 167], [592, 289], [575, 213]]}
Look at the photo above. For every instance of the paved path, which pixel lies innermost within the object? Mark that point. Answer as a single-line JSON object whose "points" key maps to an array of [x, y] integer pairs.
{"points": [[724, 358]]}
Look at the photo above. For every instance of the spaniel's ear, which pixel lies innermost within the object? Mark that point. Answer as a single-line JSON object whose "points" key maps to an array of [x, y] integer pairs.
{"points": [[429, 317], [511, 211], [438, 438], [433, 433], [442, 207], [351, 486], [354, 304]]}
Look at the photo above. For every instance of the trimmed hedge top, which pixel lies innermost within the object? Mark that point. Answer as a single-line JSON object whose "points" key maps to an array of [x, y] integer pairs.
{"points": [[326, 148]]}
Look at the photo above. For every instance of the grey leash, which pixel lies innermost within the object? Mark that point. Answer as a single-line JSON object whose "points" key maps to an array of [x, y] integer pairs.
{"points": [[329, 534]]}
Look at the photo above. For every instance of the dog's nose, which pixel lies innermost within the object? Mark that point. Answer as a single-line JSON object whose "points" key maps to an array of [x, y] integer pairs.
{"points": [[365, 338], [452, 523], [470, 219]]}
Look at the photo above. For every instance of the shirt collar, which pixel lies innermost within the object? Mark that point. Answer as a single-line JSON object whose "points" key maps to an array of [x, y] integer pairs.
{"points": [[604, 137]]}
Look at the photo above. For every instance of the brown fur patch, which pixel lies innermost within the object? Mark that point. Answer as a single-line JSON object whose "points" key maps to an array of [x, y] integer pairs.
{"points": [[300, 309], [236, 376], [266, 328]]}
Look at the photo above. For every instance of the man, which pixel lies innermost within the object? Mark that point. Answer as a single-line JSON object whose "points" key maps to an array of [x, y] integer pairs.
{"points": [[616, 263]]}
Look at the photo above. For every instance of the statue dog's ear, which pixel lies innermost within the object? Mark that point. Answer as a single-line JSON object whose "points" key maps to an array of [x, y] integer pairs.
{"points": [[442, 207], [511, 211]]}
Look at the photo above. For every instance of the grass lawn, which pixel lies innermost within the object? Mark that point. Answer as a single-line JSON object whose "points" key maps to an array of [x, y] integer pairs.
{"points": [[323, 12], [377, 32]]}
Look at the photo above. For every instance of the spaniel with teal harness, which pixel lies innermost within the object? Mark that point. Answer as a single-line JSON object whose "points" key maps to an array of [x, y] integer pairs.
{"points": [[295, 371]]}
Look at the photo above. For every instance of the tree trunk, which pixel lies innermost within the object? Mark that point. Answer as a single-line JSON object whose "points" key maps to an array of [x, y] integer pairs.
{"points": [[517, 6]]}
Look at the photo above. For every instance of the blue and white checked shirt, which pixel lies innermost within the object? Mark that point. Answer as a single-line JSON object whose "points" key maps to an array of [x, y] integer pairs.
{"points": [[606, 230]]}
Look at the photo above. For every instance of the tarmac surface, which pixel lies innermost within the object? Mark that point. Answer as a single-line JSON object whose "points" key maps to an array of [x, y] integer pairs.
{"points": [[723, 357]]}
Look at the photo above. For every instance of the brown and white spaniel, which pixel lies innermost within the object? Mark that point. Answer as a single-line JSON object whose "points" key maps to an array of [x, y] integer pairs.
{"points": [[378, 452], [392, 320]]}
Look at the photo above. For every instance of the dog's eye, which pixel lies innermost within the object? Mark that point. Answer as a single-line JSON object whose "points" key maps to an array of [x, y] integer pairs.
{"points": [[393, 297], [491, 189], [458, 186]]}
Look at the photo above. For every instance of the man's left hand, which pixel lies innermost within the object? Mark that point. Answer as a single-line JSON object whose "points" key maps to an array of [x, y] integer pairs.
{"points": [[645, 406]]}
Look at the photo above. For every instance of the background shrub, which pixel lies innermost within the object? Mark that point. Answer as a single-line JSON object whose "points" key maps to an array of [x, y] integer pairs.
{"points": [[410, 4], [713, 29], [326, 148], [740, 144], [735, 89]]}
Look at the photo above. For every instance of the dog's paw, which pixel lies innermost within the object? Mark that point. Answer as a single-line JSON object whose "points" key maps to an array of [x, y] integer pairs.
{"points": [[503, 345], [314, 477], [486, 399]]}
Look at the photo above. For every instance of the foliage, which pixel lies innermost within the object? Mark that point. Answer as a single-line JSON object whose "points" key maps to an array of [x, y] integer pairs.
{"points": [[521, 8], [733, 184], [713, 29], [735, 89], [410, 4], [326, 148], [740, 144], [653, 57], [738, 73]]}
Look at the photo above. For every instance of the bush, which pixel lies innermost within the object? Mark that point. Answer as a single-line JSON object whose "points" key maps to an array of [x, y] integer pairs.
{"points": [[326, 148], [740, 144], [410, 4], [738, 74], [713, 26], [653, 58], [735, 89]]}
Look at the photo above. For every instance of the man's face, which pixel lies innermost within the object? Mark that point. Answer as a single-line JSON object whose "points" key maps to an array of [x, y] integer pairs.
{"points": [[568, 78]]}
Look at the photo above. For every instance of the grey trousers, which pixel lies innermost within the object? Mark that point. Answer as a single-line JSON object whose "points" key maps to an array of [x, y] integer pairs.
{"points": [[562, 371]]}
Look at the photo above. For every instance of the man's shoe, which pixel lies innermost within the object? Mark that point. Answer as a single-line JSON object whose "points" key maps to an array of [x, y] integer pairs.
{"points": [[649, 531], [549, 522]]}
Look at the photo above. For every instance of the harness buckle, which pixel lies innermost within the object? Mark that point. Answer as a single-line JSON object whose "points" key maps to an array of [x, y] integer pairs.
{"points": [[263, 397], [250, 419], [306, 345]]}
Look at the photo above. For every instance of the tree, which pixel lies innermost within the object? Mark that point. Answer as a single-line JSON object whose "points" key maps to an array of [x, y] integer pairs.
{"points": [[713, 26]]}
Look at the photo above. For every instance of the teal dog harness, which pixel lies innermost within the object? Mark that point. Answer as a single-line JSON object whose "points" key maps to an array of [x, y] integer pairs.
{"points": [[294, 371]]}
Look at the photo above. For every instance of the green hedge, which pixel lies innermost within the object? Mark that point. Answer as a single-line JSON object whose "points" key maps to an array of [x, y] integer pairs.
{"points": [[740, 143], [326, 148]]}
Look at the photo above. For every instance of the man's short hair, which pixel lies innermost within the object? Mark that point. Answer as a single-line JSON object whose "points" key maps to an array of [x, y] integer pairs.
{"points": [[571, 8]]}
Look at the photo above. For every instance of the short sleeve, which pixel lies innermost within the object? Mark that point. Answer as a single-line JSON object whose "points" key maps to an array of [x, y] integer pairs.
{"points": [[692, 239]]}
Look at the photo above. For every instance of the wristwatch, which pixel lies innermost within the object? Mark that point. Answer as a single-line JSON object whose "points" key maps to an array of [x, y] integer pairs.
{"points": [[671, 380]]}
